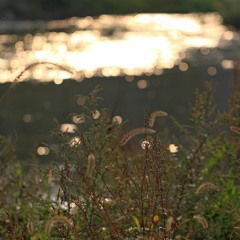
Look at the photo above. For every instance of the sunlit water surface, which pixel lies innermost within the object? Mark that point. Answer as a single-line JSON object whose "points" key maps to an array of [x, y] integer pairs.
{"points": [[109, 45]]}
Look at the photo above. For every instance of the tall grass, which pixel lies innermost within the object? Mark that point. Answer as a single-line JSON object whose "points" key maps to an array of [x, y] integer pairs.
{"points": [[104, 184]]}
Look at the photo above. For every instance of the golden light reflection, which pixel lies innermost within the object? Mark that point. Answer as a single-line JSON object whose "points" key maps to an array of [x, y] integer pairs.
{"points": [[145, 144], [96, 114], [129, 78], [43, 151], [183, 66], [212, 71], [112, 71], [117, 120], [142, 84], [19, 46], [3, 63], [28, 37], [68, 127], [228, 35], [173, 148], [78, 119], [227, 64], [58, 80], [136, 45], [5, 76], [27, 118], [74, 142], [158, 71]]}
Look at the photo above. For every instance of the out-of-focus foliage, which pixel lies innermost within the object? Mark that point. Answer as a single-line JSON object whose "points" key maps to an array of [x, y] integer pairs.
{"points": [[54, 9], [230, 11]]}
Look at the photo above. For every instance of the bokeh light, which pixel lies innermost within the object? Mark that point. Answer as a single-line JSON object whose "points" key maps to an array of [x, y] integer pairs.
{"points": [[78, 118], [183, 66], [142, 84], [145, 144], [129, 78], [68, 127], [74, 142], [96, 114], [173, 148], [117, 120], [227, 64], [27, 118], [43, 151], [212, 71]]}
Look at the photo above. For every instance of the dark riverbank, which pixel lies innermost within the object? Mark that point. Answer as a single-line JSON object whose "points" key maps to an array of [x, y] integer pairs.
{"points": [[48, 10], [52, 10]]}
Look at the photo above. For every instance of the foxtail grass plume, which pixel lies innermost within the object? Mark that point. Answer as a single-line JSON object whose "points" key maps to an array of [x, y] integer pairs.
{"points": [[50, 176], [205, 187], [153, 116], [57, 219], [169, 223], [28, 67], [127, 136], [91, 164], [235, 129], [66, 69], [202, 220]]}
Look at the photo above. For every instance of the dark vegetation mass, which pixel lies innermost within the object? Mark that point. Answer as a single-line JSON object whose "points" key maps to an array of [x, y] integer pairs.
{"points": [[60, 9]]}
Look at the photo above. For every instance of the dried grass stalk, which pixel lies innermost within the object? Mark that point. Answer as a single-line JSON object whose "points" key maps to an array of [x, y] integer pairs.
{"points": [[169, 224], [57, 219], [206, 186], [91, 164], [18, 77], [50, 176], [235, 129], [201, 220], [153, 116], [127, 136]]}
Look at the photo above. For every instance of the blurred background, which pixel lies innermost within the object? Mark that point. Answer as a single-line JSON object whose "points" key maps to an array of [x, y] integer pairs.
{"points": [[147, 55], [61, 9]]}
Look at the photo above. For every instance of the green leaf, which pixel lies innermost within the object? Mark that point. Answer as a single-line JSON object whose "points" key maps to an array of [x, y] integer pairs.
{"points": [[135, 219]]}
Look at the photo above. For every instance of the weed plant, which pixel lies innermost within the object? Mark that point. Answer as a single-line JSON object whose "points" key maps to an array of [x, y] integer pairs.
{"points": [[103, 184]]}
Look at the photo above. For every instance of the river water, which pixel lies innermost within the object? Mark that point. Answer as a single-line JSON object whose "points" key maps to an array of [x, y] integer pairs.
{"points": [[111, 45], [144, 62]]}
